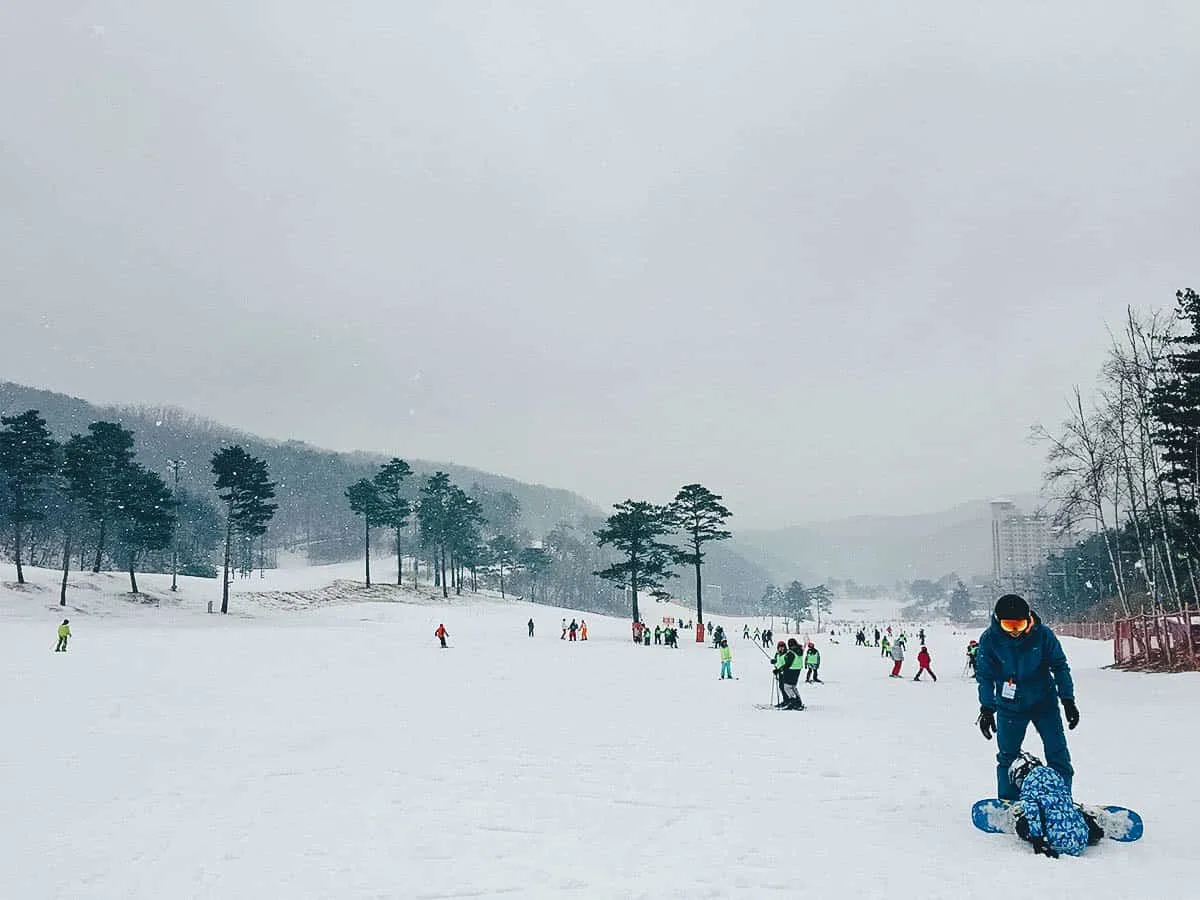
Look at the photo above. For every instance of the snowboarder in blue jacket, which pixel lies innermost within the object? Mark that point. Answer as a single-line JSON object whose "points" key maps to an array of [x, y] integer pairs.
{"points": [[1047, 817], [1023, 674]]}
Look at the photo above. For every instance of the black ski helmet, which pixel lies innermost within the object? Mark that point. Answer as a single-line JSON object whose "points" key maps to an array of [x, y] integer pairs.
{"points": [[1022, 766]]}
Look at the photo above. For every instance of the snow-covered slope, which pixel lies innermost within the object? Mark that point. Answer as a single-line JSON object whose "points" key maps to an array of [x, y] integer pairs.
{"points": [[336, 752]]}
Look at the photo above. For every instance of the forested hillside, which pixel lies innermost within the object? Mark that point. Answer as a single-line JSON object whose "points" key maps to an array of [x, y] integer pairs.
{"points": [[315, 519]]}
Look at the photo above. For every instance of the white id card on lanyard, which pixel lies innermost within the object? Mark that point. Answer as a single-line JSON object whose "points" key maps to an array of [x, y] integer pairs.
{"points": [[1009, 691]]}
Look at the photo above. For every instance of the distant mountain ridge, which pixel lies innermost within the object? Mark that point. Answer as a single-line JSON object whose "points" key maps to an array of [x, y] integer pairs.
{"points": [[312, 481], [313, 512], [303, 472]]}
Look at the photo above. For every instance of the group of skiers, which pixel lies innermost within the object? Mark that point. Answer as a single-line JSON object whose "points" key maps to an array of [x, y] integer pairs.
{"points": [[1023, 677], [662, 635], [790, 660], [574, 631], [765, 635]]}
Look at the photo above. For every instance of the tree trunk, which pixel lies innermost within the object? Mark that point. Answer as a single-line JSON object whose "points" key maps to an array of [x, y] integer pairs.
{"points": [[132, 577], [367, 545], [17, 553], [502, 581], [225, 577], [445, 587], [699, 589], [633, 585], [99, 548], [399, 562], [62, 593]]}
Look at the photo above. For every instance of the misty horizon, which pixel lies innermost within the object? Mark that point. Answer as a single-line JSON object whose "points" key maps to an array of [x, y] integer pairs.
{"points": [[828, 262]]}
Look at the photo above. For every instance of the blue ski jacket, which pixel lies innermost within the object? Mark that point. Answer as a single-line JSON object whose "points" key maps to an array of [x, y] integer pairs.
{"points": [[1034, 662], [1050, 812]]}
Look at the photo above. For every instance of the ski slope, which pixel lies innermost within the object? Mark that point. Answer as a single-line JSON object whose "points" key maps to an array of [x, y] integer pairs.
{"points": [[330, 749]]}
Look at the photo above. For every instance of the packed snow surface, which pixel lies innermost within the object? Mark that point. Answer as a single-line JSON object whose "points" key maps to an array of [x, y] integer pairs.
{"points": [[318, 743]]}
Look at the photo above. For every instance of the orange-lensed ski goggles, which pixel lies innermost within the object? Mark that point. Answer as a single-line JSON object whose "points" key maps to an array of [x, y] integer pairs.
{"points": [[1016, 627]]}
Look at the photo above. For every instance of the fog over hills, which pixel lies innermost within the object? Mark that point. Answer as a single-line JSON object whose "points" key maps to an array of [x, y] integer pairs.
{"points": [[886, 549]]}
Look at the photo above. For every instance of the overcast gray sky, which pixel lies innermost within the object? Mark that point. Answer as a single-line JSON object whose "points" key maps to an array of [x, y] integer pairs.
{"points": [[825, 258]]}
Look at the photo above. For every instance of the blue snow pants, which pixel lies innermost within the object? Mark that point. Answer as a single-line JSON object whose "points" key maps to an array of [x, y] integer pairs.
{"points": [[727, 669], [1011, 726]]}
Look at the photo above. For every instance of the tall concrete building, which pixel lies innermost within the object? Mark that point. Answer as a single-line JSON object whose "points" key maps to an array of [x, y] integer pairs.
{"points": [[1020, 543]]}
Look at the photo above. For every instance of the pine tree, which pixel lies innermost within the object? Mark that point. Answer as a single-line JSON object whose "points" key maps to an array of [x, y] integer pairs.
{"points": [[797, 602], [396, 507], [822, 600], [28, 457], [960, 603], [75, 485], [635, 530], [365, 501], [504, 555], [245, 488], [463, 532], [1176, 408], [700, 515], [146, 516], [433, 516], [109, 458], [536, 562]]}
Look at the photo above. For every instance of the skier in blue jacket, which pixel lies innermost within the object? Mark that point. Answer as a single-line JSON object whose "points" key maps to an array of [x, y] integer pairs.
{"points": [[1023, 673], [1047, 817]]}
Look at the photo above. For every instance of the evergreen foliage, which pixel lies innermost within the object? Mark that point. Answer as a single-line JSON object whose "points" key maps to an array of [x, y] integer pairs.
{"points": [[243, 484], [961, 608], [396, 505], [366, 501], [698, 512], [146, 517], [635, 531], [28, 457]]}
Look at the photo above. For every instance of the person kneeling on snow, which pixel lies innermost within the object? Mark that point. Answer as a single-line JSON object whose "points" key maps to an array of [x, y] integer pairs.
{"points": [[1046, 816]]}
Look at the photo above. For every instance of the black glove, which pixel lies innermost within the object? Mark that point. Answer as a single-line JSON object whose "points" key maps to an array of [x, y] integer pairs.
{"points": [[1040, 846], [1072, 712], [986, 722]]}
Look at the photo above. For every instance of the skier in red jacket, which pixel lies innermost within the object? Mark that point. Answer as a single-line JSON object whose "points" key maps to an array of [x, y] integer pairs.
{"points": [[923, 660], [441, 634]]}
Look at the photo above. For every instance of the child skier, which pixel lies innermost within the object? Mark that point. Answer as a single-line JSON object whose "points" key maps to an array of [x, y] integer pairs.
{"points": [[1046, 816], [812, 664], [972, 650], [441, 634], [583, 629], [64, 635], [923, 660], [726, 661]]}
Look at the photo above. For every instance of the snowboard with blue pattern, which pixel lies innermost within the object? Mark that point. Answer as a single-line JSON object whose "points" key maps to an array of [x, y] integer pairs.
{"points": [[1119, 824]]}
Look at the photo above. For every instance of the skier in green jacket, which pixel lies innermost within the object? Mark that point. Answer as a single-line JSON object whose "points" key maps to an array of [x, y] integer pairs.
{"points": [[64, 635], [812, 664], [726, 661]]}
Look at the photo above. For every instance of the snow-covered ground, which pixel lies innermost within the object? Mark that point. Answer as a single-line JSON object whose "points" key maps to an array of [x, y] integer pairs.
{"points": [[315, 747]]}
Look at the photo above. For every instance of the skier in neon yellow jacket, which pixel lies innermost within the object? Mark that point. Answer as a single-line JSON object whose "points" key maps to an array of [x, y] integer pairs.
{"points": [[726, 660], [64, 635]]}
